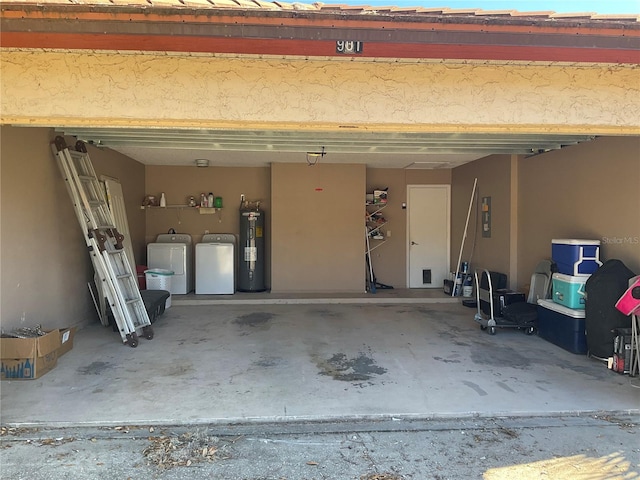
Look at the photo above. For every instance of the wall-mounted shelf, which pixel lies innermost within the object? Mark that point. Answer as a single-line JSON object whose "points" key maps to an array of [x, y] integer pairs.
{"points": [[202, 210], [156, 207]]}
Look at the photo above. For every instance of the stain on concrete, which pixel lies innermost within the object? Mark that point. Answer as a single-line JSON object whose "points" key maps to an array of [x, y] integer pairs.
{"points": [[508, 357], [268, 362], [451, 334], [176, 369], [255, 319], [344, 369], [193, 341], [447, 337], [506, 387], [446, 360], [585, 370], [429, 312], [475, 388], [326, 313], [95, 368], [504, 356]]}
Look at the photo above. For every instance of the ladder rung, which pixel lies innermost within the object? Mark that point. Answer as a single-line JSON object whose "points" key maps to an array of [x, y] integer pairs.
{"points": [[124, 275], [106, 227], [87, 178], [132, 300], [115, 252]]}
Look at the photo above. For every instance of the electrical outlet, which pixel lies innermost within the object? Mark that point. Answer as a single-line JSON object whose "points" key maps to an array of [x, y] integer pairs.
{"points": [[206, 232], [388, 233]]}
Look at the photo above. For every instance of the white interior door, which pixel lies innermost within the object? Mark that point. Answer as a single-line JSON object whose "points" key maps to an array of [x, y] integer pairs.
{"points": [[428, 235], [115, 198]]}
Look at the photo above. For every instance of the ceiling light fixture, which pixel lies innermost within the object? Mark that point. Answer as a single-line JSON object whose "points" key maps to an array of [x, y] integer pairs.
{"points": [[313, 157], [202, 162]]}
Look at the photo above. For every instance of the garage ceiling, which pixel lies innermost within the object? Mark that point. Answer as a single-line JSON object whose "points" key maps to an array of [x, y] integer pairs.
{"points": [[255, 147]]}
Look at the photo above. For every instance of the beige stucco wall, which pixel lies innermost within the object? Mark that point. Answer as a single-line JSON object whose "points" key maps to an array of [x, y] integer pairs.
{"points": [[44, 263], [493, 174], [587, 191], [317, 228], [178, 183], [53, 88]]}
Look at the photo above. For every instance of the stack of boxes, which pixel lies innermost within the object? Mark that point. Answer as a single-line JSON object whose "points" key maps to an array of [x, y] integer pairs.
{"points": [[561, 319]]}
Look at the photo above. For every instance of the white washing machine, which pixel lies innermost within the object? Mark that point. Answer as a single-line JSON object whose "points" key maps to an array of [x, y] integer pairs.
{"points": [[215, 264], [173, 251]]}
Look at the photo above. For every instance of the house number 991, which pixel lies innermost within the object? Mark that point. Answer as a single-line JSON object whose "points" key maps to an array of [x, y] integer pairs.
{"points": [[344, 46]]}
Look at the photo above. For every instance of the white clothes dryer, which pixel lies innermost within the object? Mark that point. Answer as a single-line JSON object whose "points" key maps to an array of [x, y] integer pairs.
{"points": [[215, 264], [173, 252]]}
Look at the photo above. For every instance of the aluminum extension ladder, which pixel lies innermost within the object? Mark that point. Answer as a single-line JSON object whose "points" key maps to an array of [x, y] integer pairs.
{"points": [[114, 273]]}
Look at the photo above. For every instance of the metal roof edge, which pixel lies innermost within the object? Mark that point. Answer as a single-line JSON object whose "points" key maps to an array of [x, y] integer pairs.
{"points": [[251, 7]]}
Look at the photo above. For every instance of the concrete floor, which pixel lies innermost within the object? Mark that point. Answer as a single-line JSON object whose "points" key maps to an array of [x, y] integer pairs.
{"points": [[300, 359]]}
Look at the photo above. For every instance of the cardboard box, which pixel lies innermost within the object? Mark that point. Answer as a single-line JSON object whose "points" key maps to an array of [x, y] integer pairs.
{"points": [[28, 358], [66, 340]]}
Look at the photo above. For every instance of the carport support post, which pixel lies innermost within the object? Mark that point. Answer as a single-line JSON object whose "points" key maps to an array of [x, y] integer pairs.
{"points": [[464, 237]]}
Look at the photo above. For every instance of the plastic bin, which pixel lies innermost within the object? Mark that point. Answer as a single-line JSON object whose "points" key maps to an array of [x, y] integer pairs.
{"points": [[159, 279], [576, 257], [569, 290]]}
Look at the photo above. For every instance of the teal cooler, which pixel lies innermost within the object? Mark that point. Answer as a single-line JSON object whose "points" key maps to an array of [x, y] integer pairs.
{"points": [[576, 257], [569, 290], [562, 326]]}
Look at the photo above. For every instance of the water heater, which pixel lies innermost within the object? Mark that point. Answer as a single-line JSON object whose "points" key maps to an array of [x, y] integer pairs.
{"points": [[251, 249]]}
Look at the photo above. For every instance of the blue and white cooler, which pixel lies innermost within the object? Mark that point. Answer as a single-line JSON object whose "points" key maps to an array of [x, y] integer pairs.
{"points": [[576, 257]]}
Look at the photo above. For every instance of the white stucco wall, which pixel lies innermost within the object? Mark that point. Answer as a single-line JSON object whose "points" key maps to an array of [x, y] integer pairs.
{"points": [[107, 89]]}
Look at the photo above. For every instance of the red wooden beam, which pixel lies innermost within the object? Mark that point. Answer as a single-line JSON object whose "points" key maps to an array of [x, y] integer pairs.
{"points": [[313, 48]]}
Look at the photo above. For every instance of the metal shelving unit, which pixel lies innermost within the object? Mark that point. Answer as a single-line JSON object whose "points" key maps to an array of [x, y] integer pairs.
{"points": [[374, 222]]}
